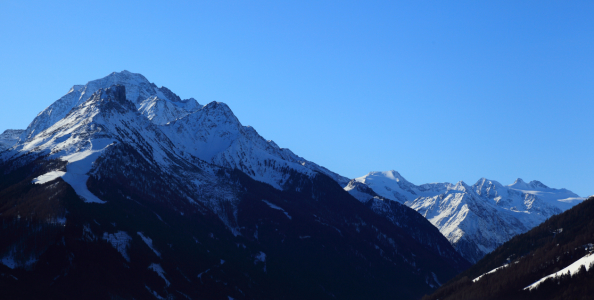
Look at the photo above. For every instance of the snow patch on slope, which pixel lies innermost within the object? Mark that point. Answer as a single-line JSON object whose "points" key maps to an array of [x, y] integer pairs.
{"points": [[573, 269], [47, 177], [159, 270], [273, 206], [490, 272], [120, 241], [79, 165], [149, 242]]}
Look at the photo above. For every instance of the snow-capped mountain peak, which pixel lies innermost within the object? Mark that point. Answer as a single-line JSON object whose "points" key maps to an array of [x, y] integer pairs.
{"points": [[519, 184], [159, 105], [487, 188], [537, 185], [461, 186], [391, 185], [210, 132], [107, 120]]}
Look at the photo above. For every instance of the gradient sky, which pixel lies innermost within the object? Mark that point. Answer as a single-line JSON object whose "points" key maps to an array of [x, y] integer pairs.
{"points": [[436, 90]]}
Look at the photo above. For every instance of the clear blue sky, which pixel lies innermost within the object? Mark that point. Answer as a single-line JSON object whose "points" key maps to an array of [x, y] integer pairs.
{"points": [[437, 90]]}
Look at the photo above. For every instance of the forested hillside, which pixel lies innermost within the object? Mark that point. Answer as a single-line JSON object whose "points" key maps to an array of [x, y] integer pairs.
{"points": [[550, 247]]}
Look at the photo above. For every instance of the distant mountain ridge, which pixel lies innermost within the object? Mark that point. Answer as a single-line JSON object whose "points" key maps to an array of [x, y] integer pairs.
{"points": [[475, 219]]}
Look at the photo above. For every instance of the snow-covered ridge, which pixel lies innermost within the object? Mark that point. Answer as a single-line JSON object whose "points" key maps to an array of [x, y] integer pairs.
{"points": [[214, 134], [475, 219], [587, 261]]}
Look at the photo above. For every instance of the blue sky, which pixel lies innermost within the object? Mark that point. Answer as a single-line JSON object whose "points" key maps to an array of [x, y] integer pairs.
{"points": [[436, 90]]}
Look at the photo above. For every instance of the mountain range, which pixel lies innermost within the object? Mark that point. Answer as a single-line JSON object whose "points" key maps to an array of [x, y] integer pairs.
{"points": [[180, 199], [475, 219], [120, 189]]}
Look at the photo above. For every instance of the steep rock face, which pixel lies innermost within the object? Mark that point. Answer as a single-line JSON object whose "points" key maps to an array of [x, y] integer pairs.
{"points": [[9, 138], [475, 219]]}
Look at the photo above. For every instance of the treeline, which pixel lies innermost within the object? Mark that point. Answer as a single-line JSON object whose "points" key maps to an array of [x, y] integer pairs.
{"points": [[544, 250], [21, 199]]}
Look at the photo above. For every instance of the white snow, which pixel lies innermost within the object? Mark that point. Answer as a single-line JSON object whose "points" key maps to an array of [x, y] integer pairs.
{"points": [[149, 242], [120, 241], [391, 185], [47, 177], [79, 164], [214, 134], [435, 278], [492, 271], [138, 90], [273, 206], [159, 270], [585, 261]]}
